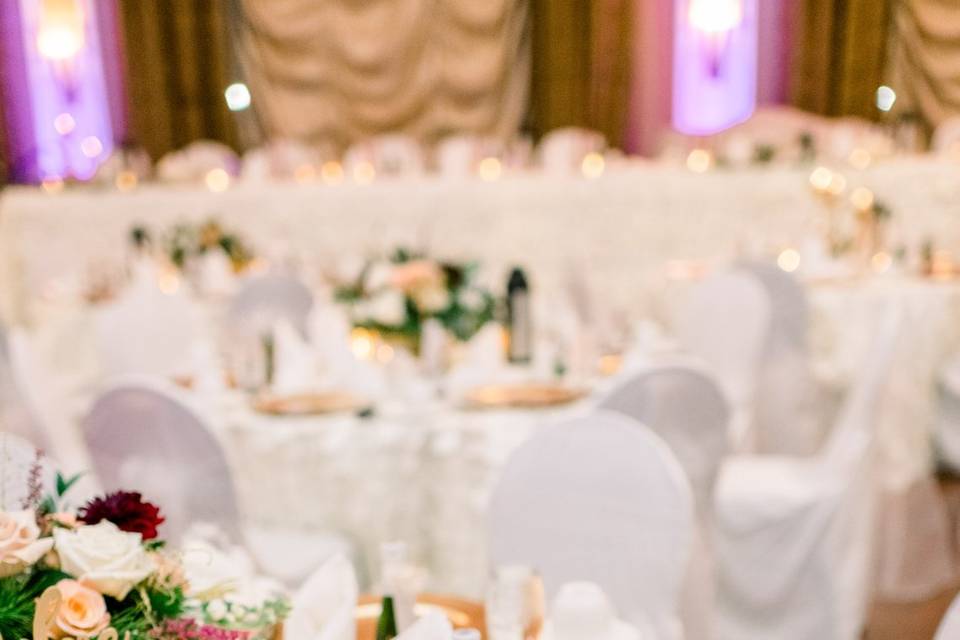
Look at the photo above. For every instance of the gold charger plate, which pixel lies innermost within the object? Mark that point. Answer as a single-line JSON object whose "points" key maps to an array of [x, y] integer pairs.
{"points": [[307, 404], [461, 613], [530, 395]]}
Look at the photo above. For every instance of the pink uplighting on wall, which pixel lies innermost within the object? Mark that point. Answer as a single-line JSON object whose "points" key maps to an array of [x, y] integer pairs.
{"points": [[65, 79], [714, 64]]}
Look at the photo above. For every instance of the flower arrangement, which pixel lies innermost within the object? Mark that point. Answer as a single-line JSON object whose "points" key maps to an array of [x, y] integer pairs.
{"points": [[101, 572], [396, 296], [186, 241]]}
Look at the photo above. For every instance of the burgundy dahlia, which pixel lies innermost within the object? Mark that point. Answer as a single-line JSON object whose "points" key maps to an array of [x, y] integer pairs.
{"points": [[127, 510]]}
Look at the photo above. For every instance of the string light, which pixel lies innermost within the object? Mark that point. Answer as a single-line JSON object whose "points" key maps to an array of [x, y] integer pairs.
{"points": [[64, 124], [885, 98], [489, 169], [593, 165], [91, 146], [237, 96]]}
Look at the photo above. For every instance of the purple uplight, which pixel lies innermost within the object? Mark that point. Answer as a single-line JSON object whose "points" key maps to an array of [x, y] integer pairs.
{"points": [[68, 95], [714, 64]]}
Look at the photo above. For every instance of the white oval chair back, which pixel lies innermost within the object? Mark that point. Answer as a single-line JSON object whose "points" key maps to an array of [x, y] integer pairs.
{"points": [[600, 498], [263, 301]]}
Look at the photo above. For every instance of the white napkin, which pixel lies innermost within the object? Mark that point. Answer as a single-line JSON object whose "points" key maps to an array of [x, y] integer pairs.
{"points": [[323, 608], [293, 360], [215, 274], [433, 626], [330, 336]]}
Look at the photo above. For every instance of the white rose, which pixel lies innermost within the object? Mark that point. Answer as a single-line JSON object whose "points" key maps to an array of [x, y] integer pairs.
{"points": [[211, 572], [432, 298], [388, 308], [378, 275], [472, 299], [20, 543], [104, 557]]}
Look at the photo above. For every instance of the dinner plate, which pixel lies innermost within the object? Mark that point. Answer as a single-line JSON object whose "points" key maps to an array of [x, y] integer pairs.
{"points": [[307, 404], [528, 395]]}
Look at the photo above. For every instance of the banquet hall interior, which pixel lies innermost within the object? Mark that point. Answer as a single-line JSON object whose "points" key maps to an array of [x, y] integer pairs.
{"points": [[459, 319]]}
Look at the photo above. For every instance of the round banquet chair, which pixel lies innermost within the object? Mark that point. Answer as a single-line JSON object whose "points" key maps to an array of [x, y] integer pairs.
{"points": [[143, 437], [686, 408], [264, 301], [949, 628], [725, 321], [26, 473], [794, 535], [599, 498], [785, 416]]}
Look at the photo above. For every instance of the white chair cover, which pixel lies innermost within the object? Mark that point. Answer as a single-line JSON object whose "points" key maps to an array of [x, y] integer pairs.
{"points": [[946, 138], [324, 607], [458, 156], [26, 474], [562, 150], [391, 154], [725, 320], [265, 300], [949, 628], [142, 437], [785, 385], [600, 498], [687, 409], [149, 332], [193, 162], [794, 535]]}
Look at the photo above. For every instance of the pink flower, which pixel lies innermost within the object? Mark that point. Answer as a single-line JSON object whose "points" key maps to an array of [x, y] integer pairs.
{"points": [[415, 274], [82, 612]]}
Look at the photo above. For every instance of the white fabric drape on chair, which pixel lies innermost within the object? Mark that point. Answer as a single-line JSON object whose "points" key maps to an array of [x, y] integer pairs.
{"points": [[339, 71]]}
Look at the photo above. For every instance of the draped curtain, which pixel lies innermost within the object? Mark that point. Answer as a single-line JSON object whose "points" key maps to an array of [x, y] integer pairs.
{"points": [[925, 60], [839, 55], [336, 71], [178, 65], [582, 65]]}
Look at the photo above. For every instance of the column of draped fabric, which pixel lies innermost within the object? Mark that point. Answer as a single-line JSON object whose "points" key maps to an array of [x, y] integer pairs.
{"points": [[582, 65], [925, 60], [839, 55], [178, 64]]}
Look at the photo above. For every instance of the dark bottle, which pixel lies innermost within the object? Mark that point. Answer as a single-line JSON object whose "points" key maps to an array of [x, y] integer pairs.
{"points": [[519, 322], [387, 624]]}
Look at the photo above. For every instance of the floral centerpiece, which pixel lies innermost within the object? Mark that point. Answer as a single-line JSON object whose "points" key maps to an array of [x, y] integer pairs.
{"points": [[101, 572], [185, 242], [396, 296]]}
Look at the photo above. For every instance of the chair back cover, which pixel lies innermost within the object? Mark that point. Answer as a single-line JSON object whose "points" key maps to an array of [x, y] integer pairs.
{"points": [[686, 408], [265, 300], [785, 415], [562, 150], [142, 437], [946, 138], [949, 628], [147, 332], [17, 416], [599, 498], [26, 473], [725, 321]]}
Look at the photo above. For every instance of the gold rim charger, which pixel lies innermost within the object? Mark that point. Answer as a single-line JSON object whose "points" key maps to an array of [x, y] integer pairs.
{"points": [[307, 404], [530, 395]]}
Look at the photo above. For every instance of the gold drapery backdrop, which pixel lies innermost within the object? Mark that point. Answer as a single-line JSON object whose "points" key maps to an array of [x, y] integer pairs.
{"points": [[839, 56], [178, 64], [925, 60], [337, 71], [582, 65]]}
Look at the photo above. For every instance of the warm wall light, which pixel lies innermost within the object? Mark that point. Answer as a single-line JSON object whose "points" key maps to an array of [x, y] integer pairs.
{"points": [[715, 16], [60, 33]]}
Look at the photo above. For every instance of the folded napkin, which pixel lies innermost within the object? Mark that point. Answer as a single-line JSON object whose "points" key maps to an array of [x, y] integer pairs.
{"points": [[293, 360], [215, 274], [433, 626], [323, 608]]}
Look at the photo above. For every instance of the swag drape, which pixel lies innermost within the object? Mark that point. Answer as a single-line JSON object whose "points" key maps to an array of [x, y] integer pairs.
{"points": [[925, 64], [336, 71]]}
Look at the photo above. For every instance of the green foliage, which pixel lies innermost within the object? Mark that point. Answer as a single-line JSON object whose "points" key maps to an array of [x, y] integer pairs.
{"points": [[17, 595], [145, 609]]}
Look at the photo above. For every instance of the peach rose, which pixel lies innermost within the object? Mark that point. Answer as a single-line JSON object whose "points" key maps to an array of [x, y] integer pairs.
{"points": [[416, 274], [82, 612], [20, 543]]}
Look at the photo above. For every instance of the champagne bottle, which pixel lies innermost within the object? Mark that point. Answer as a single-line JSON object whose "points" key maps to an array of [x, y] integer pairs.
{"points": [[519, 328], [387, 624]]}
